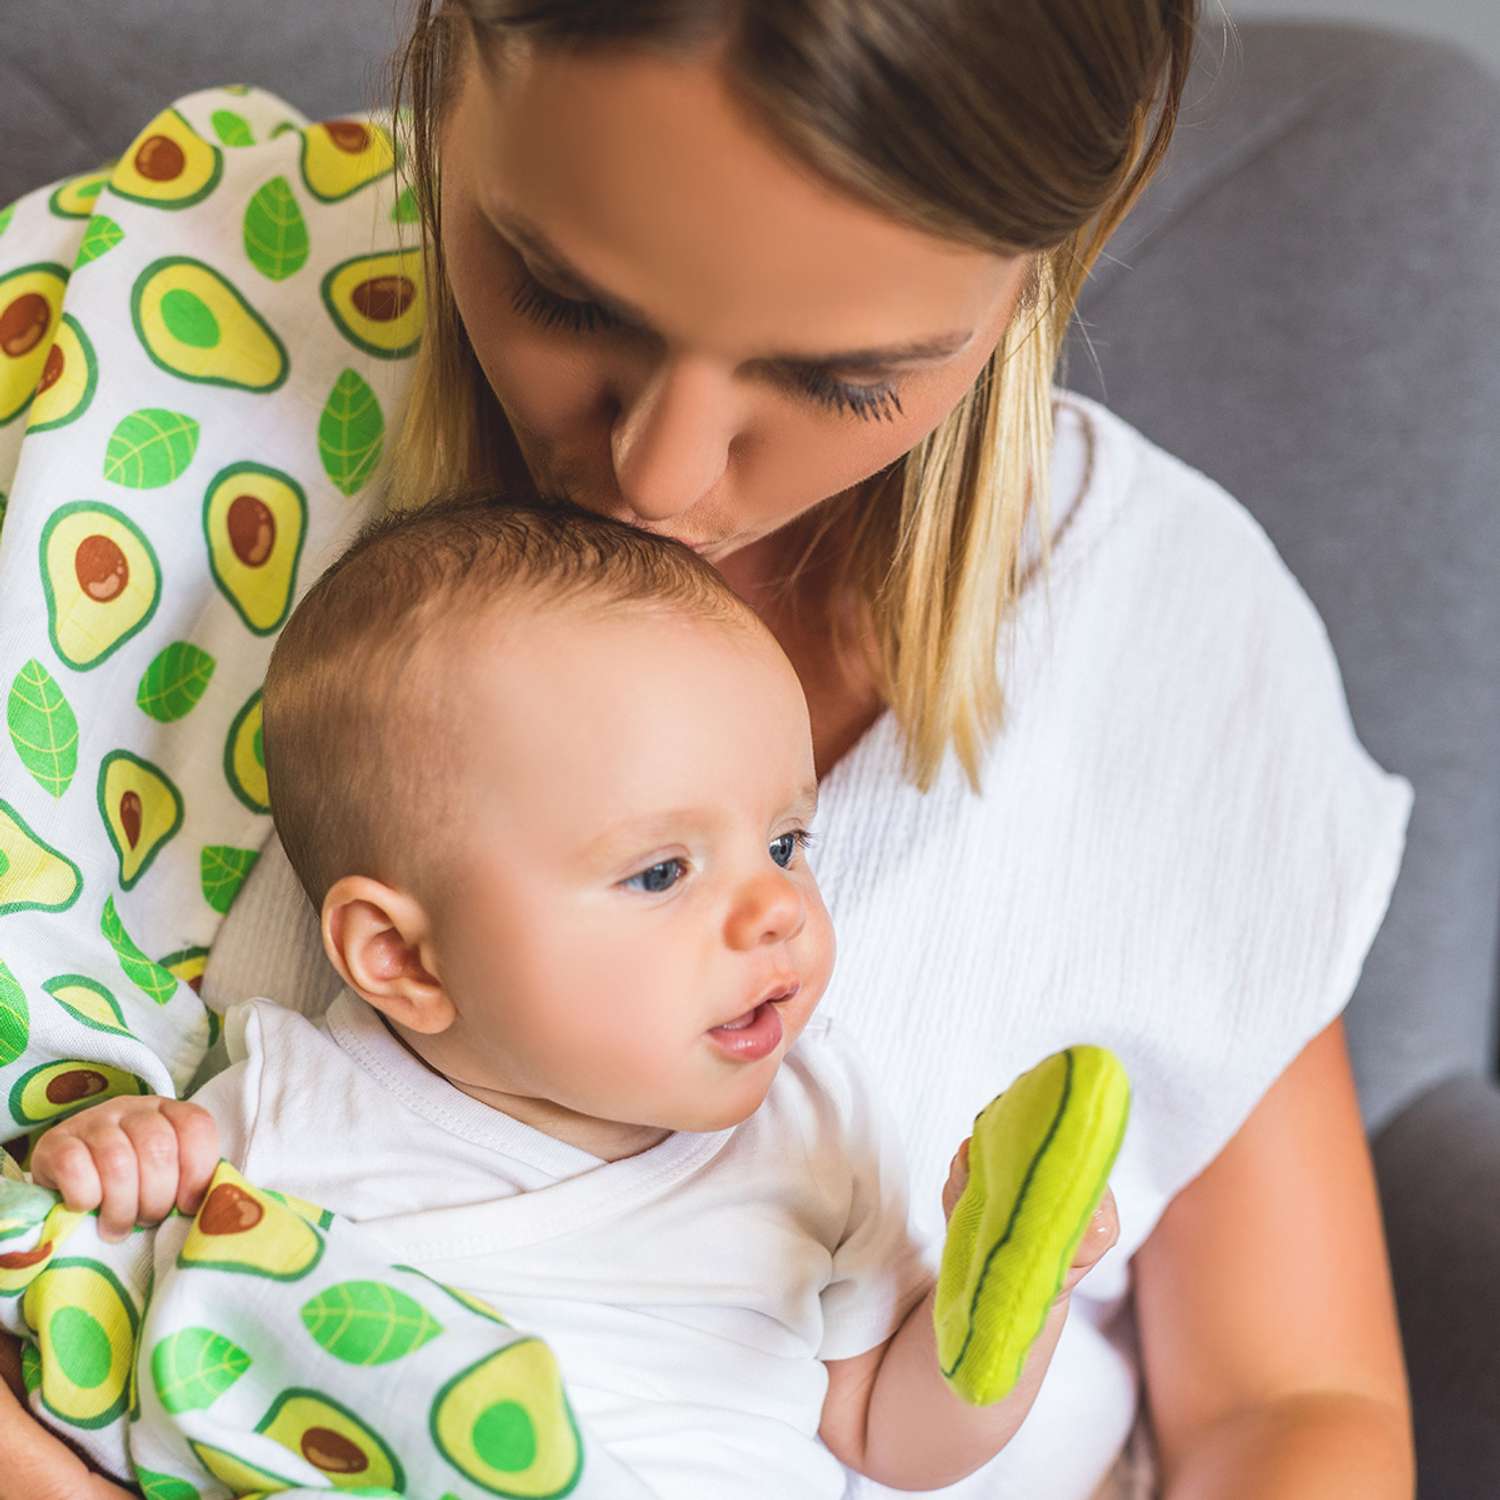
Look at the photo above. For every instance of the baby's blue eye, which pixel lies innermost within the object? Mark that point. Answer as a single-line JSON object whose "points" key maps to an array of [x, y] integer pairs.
{"points": [[660, 877], [784, 849]]}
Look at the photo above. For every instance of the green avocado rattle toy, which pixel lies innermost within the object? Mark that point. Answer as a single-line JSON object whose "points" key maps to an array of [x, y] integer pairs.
{"points": [[1039, 1160]]}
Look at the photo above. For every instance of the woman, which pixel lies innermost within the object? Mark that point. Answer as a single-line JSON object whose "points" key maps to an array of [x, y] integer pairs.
{"points": [[789, 283]]}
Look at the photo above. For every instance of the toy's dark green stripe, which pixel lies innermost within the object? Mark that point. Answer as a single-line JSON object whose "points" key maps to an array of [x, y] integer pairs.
{"points": [[1015, 1213]]}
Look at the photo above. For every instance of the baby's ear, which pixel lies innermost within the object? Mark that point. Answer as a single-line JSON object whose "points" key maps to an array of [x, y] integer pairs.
{"points": [[379, 940]]}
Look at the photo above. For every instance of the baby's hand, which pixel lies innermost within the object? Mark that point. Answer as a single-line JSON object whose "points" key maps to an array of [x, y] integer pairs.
{"points": [[132, 1159], [1103, 1230]]}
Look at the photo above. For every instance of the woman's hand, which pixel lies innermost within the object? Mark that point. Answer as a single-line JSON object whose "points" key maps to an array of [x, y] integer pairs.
{"points": [[1103, 1230], [39, 1466]]}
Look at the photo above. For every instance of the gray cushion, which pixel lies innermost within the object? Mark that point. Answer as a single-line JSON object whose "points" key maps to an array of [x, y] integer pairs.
{"points": [[79, 77], [1439, 1168]]}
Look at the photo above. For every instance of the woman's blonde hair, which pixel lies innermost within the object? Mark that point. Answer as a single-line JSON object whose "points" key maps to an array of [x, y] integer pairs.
{"points": [[1016, 126]]}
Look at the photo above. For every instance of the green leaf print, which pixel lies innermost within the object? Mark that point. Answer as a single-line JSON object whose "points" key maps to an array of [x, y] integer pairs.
{"points": [[3, 503], [275, 231], [158, 983], [194, 1367], [101, 236], [43, 728], [150, 448], [367, 1322], [223, 870], [31, 1366], [163, 1486], [407, 210], [232, 129], [175, 681], [351, 432], [15, 1021], [5, 216]]}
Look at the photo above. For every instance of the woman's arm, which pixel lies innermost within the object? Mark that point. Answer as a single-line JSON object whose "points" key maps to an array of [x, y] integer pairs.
{"points": [[39, 1466], [1268, 1327]]}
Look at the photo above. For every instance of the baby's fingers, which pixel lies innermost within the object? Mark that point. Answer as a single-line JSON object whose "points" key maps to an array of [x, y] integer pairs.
{"points": [[1101, 1235], [958, 1179], [114, 1160], [197, 1150], [64, 1162], [154, 1144]]}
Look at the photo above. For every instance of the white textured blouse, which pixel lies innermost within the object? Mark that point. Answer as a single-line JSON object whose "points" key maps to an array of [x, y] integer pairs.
{"points": [[1181, 852]]}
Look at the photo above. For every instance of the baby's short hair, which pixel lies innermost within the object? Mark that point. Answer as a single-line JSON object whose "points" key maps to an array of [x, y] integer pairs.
{"points": [[355, 752]]}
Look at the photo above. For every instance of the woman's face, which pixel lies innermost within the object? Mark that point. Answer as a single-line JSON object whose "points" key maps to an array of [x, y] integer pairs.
{"points": [[685, 328]]}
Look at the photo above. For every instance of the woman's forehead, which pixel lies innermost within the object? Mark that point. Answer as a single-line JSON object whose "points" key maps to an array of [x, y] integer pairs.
{"points": [[646, 176]]}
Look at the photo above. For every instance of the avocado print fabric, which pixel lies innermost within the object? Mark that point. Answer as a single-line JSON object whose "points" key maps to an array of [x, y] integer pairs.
{"points": [[204, 350], [260, 1347], [204, 354]]}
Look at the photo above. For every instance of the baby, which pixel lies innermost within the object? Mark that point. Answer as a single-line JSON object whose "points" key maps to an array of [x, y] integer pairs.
{"points": [[548, 784]]}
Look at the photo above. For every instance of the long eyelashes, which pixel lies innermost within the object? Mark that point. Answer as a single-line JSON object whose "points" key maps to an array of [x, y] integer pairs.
{"points": [[867, 402]]}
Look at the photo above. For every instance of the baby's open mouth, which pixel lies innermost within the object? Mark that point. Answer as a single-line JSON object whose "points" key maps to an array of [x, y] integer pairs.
{"points": [[758, 1031]]}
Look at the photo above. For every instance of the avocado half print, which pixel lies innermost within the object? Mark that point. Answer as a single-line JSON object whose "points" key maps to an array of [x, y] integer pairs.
{"points": [[141, 809], [74, 199], [168, 165], [339, 157], [245, 757], [101, 580], [505, 1424], [30, 310], [377, 302], [33, 875], [19, 1268], [255, 520], [331, 1438], [55, 1090], [240, 1228], [85, 1324], [194, 323], [70, 374]]}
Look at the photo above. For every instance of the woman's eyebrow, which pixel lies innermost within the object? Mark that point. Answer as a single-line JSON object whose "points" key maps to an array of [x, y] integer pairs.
{"points": [[531, 238]]}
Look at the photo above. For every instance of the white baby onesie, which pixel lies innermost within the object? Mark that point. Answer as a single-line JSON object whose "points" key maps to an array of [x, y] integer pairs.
{"points": [[690, 1292]]}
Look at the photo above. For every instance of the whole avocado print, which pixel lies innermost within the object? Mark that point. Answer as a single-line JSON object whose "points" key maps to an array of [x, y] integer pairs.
{"points": [[168, 165], [244, 757], [85, 1323], [331, 1438], [505, 1423], [33, 875], [195, 324], [141, 809], [255, 520], [70, 375], [101, 580], [240, 1228], [378, 303], [30, 310], [57, 1089], [340, 157], [88, 1001]]}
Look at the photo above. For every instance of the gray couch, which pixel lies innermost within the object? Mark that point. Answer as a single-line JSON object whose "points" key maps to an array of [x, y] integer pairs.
{"points": [[1307, 307]]}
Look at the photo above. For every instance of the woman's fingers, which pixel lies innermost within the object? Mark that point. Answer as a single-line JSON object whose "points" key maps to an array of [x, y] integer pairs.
{"points": [[958, 1178], [1100, 1236]]}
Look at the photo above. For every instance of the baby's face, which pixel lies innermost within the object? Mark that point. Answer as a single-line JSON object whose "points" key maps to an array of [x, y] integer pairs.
{"points": [[637, 935]]}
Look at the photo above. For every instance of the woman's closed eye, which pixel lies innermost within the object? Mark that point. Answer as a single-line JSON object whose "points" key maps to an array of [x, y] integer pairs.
{"points": [[552, 310]]}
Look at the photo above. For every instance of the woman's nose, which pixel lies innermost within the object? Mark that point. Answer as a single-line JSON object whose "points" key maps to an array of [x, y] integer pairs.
{"points": [[672, 436], [770, 909]]}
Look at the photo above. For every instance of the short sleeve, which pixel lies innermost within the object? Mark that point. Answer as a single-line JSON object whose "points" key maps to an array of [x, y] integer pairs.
{"points": [[878, 1268]]}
